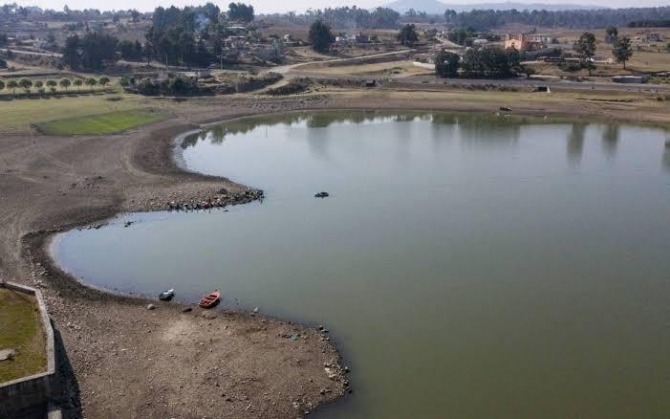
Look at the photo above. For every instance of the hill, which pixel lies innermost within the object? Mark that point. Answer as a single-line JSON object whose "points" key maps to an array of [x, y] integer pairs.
{"points": [[436, 7]]}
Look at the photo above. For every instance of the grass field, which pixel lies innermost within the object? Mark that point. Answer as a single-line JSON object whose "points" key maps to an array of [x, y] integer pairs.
{"points": [[108, 123], [20, 330], [17, 116]]}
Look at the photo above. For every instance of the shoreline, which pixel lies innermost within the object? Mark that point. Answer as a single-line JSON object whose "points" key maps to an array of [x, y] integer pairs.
{"points": [[147, 164]]}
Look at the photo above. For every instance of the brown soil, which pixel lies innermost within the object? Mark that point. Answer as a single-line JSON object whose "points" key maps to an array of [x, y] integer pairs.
{"points": [[122, 360]]}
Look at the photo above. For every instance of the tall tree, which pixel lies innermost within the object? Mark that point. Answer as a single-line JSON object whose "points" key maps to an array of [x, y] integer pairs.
{"points": [[71, 53], [447, 64], [611, 34], [2, 85], [65, 83], [320, 36], [623, 50], [241, 12], [408, 36], [586, 48]]}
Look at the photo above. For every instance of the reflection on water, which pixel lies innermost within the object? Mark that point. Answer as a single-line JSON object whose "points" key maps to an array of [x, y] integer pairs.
{"points": [[666, 158], [576, 142], [611, 139], [465, 267]]}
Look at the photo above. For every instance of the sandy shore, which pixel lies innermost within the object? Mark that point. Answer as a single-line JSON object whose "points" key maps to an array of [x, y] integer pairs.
{"points": [[122, 360]]}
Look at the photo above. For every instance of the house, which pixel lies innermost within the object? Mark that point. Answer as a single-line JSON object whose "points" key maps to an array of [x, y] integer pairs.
{"points": [[362, 39], [522, 42], [653, 37], [630, 79], [342, 39], [517, 42], [203, 73], [541, 39]]}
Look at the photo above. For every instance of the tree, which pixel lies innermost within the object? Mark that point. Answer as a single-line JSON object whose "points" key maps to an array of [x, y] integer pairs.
{"points": [[611, 34], [491, 63], [71, 56], [320, 36], [408, 36], [2, 85], [104, 80], [462, 36], [26, 84], [52, 83], [78, 83], [96, 49], [3, 39], [241, 12], [135, 16], [586, 47], [39, 84], [12, 84], [65, 83], [91, 82], [623, 50], [447, 64]]}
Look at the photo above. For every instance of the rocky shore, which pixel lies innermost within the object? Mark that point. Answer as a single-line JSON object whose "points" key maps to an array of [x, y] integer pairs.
{"points": [[118, 359]]}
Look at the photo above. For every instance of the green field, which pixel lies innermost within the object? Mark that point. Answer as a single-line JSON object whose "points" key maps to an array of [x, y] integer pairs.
{"points": [[20, 330], [108, 123], [20, 115]]}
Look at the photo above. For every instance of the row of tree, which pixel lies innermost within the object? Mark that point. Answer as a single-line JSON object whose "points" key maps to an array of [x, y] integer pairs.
{"points": [[13, 11], [489, 63], [586, 48], [348, 17], [190, 36], [587, 19], [27, 84]]}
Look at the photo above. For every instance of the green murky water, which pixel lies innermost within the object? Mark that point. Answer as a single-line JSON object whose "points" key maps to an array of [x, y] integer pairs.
{"points": [[469, 267]]}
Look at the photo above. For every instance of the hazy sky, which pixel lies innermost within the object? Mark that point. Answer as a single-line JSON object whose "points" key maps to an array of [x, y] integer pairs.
{"points": [[268, 6]]}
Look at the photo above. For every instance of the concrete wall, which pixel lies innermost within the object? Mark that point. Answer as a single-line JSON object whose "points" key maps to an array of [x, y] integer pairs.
{"points": [[29, 396]]}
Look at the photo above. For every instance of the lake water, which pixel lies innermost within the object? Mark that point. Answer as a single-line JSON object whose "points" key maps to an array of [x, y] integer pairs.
{"points": [[469, 267]]}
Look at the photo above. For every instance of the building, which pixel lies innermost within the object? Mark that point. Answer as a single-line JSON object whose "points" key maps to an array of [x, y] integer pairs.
{"points": [[523, 42], [517, 42], [653, 37]]}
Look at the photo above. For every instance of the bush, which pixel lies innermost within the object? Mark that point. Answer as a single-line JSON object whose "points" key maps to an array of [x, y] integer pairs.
{"points": [[295, 86], [570, 67]]}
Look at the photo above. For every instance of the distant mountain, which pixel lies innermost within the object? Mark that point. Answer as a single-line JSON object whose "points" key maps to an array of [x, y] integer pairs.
{"points": [[436, 7], [432, 7]]}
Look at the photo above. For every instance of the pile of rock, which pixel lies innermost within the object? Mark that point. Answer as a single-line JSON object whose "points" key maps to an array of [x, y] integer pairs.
{"points": [[220, 200]]}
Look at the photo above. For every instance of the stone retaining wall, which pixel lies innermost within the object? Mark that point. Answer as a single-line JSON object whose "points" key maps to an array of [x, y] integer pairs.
{"points": [[29, 397]]}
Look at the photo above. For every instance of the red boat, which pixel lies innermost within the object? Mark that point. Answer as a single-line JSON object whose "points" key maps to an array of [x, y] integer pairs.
{"points": [[210, 300]]}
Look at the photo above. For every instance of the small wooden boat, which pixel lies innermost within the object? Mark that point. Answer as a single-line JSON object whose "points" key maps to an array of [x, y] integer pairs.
{"points": [[210, 300], [167, 295], [323, 194]]}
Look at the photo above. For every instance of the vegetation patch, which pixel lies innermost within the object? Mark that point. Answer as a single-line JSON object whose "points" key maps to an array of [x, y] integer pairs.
{"points": [[101, 124], [20, 330]]}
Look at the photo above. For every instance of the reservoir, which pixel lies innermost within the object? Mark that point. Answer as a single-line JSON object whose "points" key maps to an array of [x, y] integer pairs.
{"points": [[467, 266]]}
